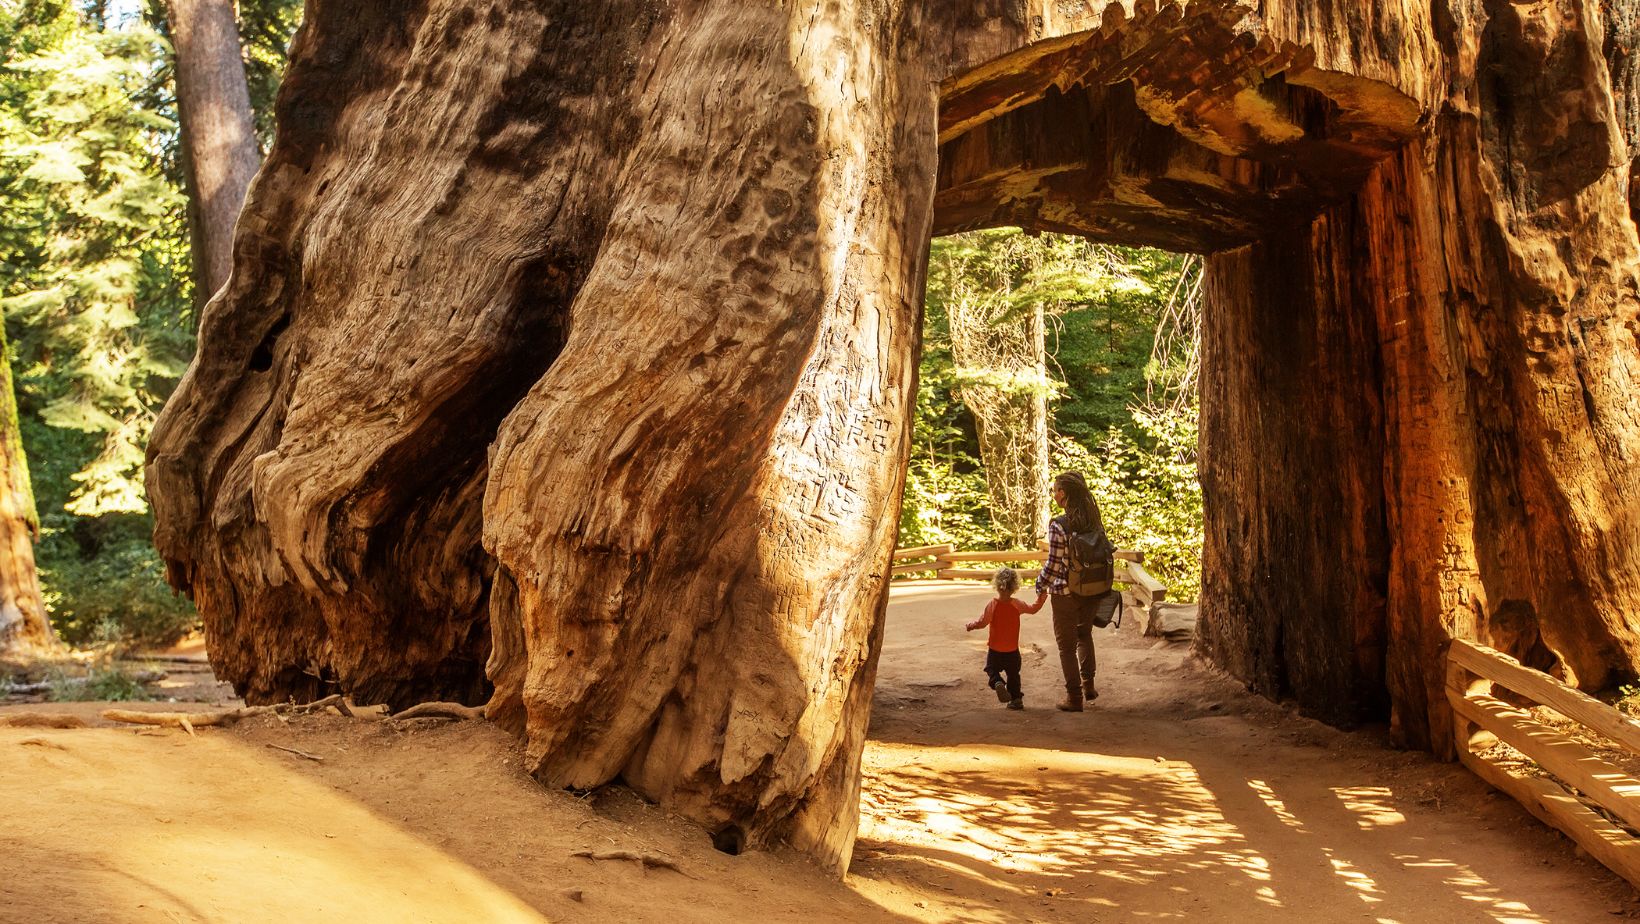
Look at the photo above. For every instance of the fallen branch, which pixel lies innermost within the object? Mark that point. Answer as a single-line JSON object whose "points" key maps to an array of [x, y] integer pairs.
{"points": [[644, 860], [298, 753], [187, 721], [334, 700], [439, 711], [41, 720]]}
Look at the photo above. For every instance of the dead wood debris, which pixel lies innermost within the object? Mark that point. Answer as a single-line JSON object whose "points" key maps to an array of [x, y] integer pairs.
{"points": [[41, 720], [187, 721], [298, 752], [439, 711], [644, 860]]}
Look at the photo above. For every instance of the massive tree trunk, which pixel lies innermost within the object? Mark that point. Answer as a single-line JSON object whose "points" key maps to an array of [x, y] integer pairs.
{"points": [[218, 134], [24, 628], [1496, 262], [581, 337], [590, 328]]}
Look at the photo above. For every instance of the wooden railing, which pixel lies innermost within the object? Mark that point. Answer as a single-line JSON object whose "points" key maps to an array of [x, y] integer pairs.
{"points": [[940, 560], [1479, 718]]}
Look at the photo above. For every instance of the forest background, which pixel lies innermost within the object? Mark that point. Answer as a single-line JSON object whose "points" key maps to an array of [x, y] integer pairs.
{"points": [[1041, 353]]}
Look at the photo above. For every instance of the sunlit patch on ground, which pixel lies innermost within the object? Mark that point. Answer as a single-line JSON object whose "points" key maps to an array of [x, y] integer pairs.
{"points": [[1154, 807]]}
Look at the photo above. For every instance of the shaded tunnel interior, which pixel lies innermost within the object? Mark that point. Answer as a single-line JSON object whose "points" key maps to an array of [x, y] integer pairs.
{"points": [[1189, 138]]}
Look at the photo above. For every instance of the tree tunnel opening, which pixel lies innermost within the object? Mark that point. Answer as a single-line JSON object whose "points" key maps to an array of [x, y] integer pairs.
{"points": [[1191, 137]]}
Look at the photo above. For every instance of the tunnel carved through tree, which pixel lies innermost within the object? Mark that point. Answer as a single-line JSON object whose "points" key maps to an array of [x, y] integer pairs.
{"points": [[568, 354]]}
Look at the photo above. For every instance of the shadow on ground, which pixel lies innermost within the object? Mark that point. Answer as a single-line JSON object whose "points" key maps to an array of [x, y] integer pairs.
{"points": [[1176, 797]]}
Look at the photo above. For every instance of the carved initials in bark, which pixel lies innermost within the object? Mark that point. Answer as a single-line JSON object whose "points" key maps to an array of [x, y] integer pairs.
{"points": [[582, 337]]}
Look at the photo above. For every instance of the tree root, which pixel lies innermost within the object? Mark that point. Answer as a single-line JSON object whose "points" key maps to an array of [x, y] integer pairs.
{"points": [[644, 860], [188, 721], [439, 711]]}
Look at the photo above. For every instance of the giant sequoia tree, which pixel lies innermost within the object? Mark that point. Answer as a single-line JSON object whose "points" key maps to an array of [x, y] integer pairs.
{"points": [[566, 361]]}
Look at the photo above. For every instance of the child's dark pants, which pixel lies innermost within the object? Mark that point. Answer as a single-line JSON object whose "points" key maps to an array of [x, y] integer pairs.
{"points": [[998, 663]]}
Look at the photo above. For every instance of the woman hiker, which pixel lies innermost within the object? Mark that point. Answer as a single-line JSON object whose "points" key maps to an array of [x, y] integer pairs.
{"points": [[1073, 614]]}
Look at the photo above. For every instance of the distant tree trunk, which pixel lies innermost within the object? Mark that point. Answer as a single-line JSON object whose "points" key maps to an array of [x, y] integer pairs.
{"points": [[218, 133], [23, 624], [1002, 368]]}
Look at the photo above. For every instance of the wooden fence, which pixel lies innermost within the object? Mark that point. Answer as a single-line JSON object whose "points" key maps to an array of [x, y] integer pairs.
{"points": [[1479, 718], [941, 561]]}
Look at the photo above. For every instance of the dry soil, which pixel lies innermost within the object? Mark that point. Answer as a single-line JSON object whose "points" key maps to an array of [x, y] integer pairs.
{"points": [[1176, 797]]}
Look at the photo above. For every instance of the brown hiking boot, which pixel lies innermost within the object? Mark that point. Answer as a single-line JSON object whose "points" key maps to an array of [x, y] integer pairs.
{"points": [[1088, 692], [1070, 705]]}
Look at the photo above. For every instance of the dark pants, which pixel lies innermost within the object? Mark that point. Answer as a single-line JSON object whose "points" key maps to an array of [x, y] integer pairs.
{"points": [[998, 663], [1073, 634]]}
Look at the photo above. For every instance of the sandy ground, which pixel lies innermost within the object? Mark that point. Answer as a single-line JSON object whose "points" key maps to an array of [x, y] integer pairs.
{"points": [[1177, 797]]}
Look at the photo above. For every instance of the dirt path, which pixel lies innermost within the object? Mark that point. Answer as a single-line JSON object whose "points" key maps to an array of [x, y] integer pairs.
{"points": [[1176, 798]]}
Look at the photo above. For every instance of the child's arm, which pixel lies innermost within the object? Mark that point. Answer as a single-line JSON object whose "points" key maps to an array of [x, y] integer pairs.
{"points": [[1041, 598], [983, 621]]}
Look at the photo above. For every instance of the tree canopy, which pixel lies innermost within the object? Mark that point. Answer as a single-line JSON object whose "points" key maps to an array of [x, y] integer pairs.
{"points": [[95, 283]]}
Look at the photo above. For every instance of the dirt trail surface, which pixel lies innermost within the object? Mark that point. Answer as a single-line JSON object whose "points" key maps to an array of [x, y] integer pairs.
{"points": [[1176, 797]]}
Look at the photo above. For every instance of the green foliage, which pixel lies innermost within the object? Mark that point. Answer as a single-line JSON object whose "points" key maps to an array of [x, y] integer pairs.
{"points": [[265, 30], [94, 286], [100, 571], [103, 683], [1102, 351], [89, 238], [1104, 305], [945, 502], [1148, 494]]}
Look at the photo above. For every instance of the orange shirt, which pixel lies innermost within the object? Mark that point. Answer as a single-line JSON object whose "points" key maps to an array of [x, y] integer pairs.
{"points": [[1003, 618]]}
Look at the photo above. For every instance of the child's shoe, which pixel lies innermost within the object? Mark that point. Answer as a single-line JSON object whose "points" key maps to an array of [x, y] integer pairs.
{"points": [[1016, 704], [1001, 687]]}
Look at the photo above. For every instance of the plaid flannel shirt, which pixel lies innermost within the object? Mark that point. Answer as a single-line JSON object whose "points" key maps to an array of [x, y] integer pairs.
{"points": [[1057, 569]]}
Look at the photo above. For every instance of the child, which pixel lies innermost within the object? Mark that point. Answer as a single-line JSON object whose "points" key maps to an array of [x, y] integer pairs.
{"points": [[1002, 615]]}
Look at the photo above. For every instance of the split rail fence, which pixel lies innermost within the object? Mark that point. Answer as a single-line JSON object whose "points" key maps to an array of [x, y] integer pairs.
{"points": [[943, 561], [1480, 717]]}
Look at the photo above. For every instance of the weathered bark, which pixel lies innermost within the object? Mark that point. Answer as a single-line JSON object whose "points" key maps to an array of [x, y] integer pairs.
{"points": [[694, 460], [1296, 548], [1498, 261], [581, 338], [218, 136], [23, 625]]}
